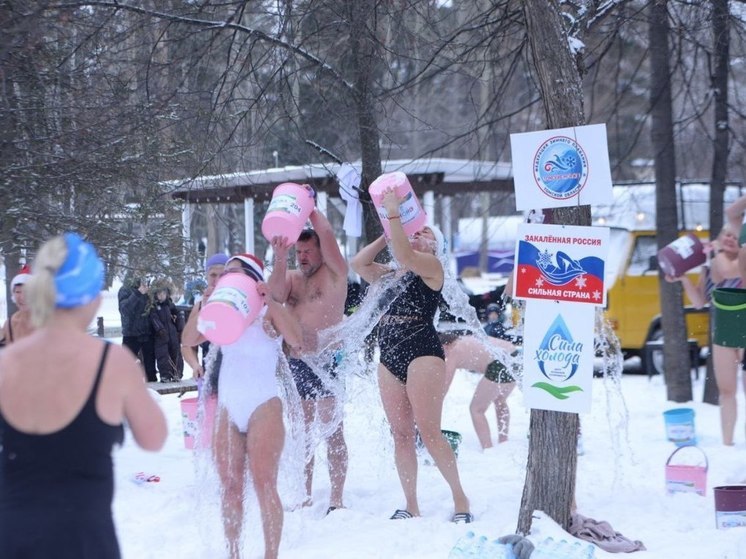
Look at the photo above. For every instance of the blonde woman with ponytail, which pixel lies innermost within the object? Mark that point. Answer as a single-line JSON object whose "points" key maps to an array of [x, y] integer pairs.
{"points": [[64, 397]]}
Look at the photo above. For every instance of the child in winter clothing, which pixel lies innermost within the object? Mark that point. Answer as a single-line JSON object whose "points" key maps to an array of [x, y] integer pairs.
{"points": [[167, 326]]}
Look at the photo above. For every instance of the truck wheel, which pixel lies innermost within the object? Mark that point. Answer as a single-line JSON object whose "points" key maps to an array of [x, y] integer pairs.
{"points": [[655, 366]]}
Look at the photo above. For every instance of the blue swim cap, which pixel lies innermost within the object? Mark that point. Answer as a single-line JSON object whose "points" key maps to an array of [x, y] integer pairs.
{"points": [[81, 276]]}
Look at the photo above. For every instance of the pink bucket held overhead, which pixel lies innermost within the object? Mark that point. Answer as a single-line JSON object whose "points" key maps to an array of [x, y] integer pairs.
{"points": [[234, 304], [290, 208], [413, 217]]}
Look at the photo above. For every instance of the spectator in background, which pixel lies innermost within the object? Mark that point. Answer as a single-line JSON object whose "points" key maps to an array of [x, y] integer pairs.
{"points": [[167, 323], [18, 324], [213, 269], [137, 334]]}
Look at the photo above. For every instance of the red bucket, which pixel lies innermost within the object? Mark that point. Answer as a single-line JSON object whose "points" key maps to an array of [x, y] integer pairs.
{"points": [[687, 478], [730, 506], [680, 256]]}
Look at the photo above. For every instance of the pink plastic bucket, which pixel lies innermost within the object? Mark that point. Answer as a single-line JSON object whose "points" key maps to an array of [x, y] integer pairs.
{"points": [[198, 424], [680, 256], [231, 308], [288, 211], [413, 217], [730, 506], [687, 478]]}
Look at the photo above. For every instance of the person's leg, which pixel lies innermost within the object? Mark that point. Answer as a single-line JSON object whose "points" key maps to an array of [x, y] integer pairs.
{"points": [[336, 451], [426, 391], [147, 348], [309, 415], [726, 363], [502, 410], [265, 439], [466, 352], [229, 452], [399, 414], [485, 393], [131, 343]]}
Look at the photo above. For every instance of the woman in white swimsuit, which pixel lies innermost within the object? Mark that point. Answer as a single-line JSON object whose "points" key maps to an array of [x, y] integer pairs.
{"points": [[249, 428]]}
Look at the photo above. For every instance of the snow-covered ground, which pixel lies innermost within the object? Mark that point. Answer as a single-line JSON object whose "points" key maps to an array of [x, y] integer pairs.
{"points": [[620, 480]]}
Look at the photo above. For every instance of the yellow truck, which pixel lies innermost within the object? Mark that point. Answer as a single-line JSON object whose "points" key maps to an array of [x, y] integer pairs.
{"points": [[633, 296]]}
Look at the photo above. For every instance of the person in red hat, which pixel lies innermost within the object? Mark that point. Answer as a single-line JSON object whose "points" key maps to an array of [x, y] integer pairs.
{"points": [[19, 324], [249, 433]]}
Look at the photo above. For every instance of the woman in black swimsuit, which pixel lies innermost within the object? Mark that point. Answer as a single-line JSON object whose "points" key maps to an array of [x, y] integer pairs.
{"points": [[64, 396], [411, 373]]}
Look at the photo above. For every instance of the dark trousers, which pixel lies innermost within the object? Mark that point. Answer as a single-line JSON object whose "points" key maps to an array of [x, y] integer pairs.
{"points": [[144, 349]]}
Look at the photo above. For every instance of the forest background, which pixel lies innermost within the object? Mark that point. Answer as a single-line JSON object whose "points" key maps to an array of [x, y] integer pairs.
{"points": [[107, 107]]}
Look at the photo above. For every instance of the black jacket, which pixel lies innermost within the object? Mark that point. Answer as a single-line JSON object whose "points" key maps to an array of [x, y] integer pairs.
{"points": [[135, 321]]}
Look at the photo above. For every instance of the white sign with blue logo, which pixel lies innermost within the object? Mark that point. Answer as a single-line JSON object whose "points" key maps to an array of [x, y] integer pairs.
{"points": [[558, 356], [561, 167]]}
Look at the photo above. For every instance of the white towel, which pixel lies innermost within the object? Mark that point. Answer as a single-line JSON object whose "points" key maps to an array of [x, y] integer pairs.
{"points": [[349, 181]]}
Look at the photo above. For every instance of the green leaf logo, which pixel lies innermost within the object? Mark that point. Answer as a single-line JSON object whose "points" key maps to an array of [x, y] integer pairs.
{"points": [[561, 393]]}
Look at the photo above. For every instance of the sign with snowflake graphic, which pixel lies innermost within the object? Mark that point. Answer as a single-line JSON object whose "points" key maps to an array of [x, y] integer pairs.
{"points": [[561, 263], [561, 167], [558, 356]]}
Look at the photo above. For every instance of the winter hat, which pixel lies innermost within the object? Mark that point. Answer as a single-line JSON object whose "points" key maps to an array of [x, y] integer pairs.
{"points": [[19, 279], [22, 277], [440, 241], [218, 259], [80, 278], [250, 264]]}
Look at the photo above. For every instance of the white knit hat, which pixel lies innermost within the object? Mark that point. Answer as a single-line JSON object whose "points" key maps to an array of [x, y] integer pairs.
{"points": [[440, 242]]}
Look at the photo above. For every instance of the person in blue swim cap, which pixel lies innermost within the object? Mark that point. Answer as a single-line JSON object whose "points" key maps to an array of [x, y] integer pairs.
{"points": [[65, 398]]}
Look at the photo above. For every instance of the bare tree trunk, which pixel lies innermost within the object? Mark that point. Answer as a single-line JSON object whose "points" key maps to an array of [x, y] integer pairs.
{"points": [[363, 49], [675, 352], [552, 453], [721, 48]]}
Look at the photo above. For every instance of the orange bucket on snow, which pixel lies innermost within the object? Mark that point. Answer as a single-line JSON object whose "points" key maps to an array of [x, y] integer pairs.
{"points": [[198, 421], [686, 478]]}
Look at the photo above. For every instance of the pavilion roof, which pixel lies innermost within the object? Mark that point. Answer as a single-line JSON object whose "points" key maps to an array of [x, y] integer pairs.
{"points": [[441, 175]]}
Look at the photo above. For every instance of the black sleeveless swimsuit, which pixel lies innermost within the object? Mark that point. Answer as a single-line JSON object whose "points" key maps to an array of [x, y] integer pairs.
{"points": [[407, 331], [56, 490]]}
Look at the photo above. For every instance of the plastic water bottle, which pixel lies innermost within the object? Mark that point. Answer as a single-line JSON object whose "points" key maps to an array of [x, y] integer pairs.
{"points": [[469, 547], [463, 546], [497, 550], [562, 549]]}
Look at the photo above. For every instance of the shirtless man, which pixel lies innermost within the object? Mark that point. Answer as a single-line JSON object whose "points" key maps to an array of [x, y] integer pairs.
{"points": [[315, 294], [19, 324]]}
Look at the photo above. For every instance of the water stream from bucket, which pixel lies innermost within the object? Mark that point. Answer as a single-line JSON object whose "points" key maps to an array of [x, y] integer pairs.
{"points": [[351, 344]]}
